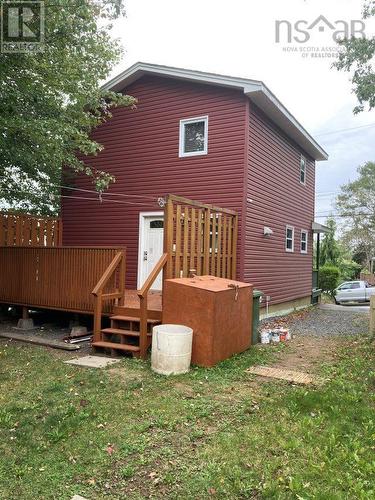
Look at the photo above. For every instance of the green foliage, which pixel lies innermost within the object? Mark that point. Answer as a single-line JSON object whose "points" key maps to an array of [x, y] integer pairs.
{"points": [[51, 101], [349, 270], [329, 249], [357, 203], [357, 58], [328, 278]]}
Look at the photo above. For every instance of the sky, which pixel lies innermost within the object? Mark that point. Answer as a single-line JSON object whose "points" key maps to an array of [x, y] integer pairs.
{"points": [[238, 38]]}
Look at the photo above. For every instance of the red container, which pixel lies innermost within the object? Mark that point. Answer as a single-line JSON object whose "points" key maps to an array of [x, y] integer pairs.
{"points": [[218, 310]]}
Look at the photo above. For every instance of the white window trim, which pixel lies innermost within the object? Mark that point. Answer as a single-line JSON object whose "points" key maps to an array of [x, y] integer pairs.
{"points": [[303, 231], [183, 122], [300, 170], [286, 233]]}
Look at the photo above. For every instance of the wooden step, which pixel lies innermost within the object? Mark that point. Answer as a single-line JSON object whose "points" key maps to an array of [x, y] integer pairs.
{"points": [[114, 345], [120, 331], [135, 312], [133, 318]]}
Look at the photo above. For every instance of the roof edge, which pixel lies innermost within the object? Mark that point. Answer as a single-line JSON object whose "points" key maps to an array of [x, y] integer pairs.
{"points": [[254, 89]]}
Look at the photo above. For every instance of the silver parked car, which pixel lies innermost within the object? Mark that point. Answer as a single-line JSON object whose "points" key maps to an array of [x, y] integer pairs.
{"points": [[354, 291]]}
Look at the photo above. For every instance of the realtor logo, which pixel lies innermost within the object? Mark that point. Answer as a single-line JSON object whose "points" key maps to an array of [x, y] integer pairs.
{"points": [[301, 31], [22, 26]]}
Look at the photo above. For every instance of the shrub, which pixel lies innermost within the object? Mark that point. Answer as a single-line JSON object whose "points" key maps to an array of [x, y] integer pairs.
{"points": [[328, 278], [349, 270]]}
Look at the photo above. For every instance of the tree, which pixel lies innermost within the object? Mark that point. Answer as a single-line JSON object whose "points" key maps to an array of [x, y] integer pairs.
{"points": [[51, 101], [329, 250], [357, 204], [357, 56]]}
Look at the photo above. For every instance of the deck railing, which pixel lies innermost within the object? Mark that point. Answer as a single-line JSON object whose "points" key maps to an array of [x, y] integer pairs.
{"points": [[29, 230], [54, 278], [199, 238]]}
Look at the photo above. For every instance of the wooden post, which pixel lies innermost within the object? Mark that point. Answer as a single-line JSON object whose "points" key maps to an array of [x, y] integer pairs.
{"points": [[122, 271], [97, 317], [143, 327], [25, 313], [372, 315], [206, 239], [168, 238]]}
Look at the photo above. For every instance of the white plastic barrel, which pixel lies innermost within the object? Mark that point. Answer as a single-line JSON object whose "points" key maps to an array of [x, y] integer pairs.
{"points": [[171, 349]]}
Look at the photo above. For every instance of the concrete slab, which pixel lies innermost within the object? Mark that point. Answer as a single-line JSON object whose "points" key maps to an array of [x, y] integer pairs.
{"points": [[93, 361], [78, 497]]}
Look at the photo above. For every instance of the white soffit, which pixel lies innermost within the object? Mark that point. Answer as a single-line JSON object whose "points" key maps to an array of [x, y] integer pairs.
{"points": [[255, 90], [319, 228]]}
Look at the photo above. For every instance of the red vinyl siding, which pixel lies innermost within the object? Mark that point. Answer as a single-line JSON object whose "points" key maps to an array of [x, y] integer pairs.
{"points": [[276, 198], [141, 150]]}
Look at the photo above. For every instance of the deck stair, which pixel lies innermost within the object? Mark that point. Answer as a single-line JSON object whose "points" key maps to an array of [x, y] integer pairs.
{"points": [[123, 335], [133, 313]]}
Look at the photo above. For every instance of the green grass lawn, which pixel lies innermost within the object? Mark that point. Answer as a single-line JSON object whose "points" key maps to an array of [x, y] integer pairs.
{"points": [[125, 432]]}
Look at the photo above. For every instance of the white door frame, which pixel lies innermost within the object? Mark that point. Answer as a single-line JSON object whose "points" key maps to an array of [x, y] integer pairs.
{"points": [[142, 217]]}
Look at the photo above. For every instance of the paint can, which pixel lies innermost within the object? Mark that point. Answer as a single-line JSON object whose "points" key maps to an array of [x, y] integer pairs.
{"points": [[282, 336], [265, 336], [275, 337]]}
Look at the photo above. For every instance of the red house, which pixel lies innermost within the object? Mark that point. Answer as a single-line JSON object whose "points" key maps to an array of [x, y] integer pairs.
{"points": [[217, 139]]}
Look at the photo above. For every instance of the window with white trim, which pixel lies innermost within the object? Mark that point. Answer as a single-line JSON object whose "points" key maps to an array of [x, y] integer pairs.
{"points": [[193, 136], [304, 237], [289, 239], [302, 170]]}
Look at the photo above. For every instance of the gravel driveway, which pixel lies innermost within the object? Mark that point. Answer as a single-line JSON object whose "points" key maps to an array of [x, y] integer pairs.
{"points": [[322, 322]]}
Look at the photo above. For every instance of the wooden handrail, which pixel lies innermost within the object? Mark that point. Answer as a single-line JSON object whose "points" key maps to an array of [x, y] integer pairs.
{"points": [[142, 294], [107, 274], [118, 295], [153, 275]]}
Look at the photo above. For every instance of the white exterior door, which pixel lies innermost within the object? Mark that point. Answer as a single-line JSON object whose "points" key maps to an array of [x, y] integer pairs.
{"points": [[150, 248]]}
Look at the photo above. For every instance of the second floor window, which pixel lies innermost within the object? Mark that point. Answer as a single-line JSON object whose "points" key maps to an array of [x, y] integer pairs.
{"points": [[289, 239], [303, 241], [193, 136], [302, 170]]}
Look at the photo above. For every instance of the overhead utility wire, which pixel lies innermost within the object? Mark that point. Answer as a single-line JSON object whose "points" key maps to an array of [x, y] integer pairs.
{"points": [[105, 193], [345, 129], [91, 199]]}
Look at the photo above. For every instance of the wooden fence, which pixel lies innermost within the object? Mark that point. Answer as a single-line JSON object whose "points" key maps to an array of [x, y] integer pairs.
{"points": [[200, 239], [56, 278], [28, 230], [369, 277]]}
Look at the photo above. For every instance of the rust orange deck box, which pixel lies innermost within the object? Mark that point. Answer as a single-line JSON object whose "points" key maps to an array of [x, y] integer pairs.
{"points": [[218, 310]]}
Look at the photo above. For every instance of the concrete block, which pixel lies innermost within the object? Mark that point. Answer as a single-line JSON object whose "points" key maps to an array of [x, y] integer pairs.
{"points": [[78, 331], [25, 324], [93, 361]]}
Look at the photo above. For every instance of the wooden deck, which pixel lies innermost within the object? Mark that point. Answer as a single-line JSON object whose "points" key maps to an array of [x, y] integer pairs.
{"points": [[154, 300]]}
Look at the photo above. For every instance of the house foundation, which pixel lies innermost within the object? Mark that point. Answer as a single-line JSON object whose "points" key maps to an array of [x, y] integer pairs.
{"points": [[285, 307]]}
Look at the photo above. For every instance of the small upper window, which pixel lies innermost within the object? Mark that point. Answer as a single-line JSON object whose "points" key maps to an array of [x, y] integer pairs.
{"points": [[304, 241], [156, 224], [302, 170], [289, 239], [193, 136]]}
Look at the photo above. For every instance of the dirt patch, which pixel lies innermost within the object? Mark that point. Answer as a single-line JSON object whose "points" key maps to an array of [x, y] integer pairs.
{"points": [[307, 354]]}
